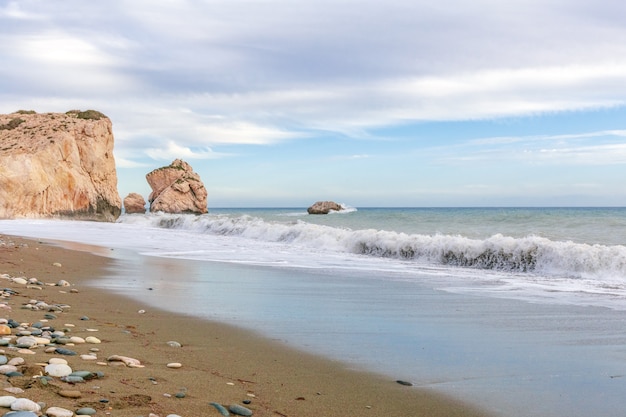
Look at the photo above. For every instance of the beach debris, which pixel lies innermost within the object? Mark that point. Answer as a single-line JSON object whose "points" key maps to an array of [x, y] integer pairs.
{"points": [[130, 362]]}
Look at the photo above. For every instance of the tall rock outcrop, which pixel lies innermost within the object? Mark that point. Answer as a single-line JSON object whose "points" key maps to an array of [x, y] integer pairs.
{"points": [[177, 189], [58, 165]]}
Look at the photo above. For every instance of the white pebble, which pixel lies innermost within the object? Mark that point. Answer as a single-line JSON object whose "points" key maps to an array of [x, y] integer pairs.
{"points": [[58, 370], [141, 311], [57, 361], [59, 412], [5, 369], [77, 340], [16, 361], [89, 357], [174, 365], [24, 404], [7, 400], [92, 340]]}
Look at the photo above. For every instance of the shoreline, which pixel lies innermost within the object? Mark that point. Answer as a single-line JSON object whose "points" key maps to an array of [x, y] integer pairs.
{"points": [[220, 363]]}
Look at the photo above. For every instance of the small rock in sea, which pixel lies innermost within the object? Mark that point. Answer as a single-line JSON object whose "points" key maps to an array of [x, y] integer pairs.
{"points": [[85, 411], [59, 412], [240, 410], [24, 404], [406, 383], [221, 409], [174, 365]]}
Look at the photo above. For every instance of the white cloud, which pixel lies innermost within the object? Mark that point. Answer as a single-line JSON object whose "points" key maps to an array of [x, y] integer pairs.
{"points": [[173, 151]]}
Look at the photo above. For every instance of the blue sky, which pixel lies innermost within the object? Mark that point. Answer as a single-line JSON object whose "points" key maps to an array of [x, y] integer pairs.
{"points": [[368, 103]]}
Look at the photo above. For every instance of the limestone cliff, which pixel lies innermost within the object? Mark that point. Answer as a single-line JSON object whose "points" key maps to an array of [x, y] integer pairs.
{"points": [[58, 165], [177, 189]]}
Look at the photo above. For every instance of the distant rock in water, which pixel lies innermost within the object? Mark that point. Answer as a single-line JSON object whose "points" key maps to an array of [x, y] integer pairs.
{"points": [[324, 207], [134, 203], [58, 165], [177, 189]]}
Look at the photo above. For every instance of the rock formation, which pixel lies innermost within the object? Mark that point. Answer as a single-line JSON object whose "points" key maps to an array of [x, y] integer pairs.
{"points": [[134, 203], [177, 189], [324, 207], [58, 165]]}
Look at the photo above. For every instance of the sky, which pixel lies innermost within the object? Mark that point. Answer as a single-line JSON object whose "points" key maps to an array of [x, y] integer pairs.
{"points": [[281, 103]]}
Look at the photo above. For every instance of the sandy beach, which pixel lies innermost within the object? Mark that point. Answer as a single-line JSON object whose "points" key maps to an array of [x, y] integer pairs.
{"points": [[219, 363]]}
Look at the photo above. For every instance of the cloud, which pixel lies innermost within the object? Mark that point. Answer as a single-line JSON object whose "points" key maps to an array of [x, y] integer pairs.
{"points": [[172, 151]]}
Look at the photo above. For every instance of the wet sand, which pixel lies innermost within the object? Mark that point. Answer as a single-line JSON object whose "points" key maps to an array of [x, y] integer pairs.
{"points": [[220, 363]]}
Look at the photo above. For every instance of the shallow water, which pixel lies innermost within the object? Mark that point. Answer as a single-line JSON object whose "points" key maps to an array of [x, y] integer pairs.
{"points": [[517, 343]]}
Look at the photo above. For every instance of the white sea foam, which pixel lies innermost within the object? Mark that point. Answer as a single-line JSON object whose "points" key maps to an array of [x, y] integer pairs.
{"points": [[528, 267]]}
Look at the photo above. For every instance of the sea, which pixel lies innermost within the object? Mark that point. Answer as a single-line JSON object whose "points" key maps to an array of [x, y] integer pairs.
{"points": [[519, 311]]}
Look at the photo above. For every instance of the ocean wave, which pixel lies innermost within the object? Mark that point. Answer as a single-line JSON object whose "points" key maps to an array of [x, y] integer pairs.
{"points": [[531, 254]]}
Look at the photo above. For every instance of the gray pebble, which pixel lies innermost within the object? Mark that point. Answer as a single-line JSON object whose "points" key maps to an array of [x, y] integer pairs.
{"points": [[63, 351], [85, 411], [240, 410], [222, 410]]}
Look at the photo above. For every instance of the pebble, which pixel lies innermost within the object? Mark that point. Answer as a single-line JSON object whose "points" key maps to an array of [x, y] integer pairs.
{"points": [[70, 394], [130, 362], [89, 357], [59, 412], [25, 342], [5, 369], [23, 414], [240, 410], [85, 411], [24, 404], [58, 369], [93, 340], [221, 409], [63, 351], [17, 361], [7, 400], [174, 365], [57, 360], [406, 383], [3, 360], [4, 329]]}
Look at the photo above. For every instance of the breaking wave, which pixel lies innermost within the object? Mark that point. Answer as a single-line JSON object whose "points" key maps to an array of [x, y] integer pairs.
{"points": [[531, 254]]}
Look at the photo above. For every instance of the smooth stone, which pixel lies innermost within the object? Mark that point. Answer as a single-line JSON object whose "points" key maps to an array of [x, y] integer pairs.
{"points": [[12, 374], [70, 394], [221, 409], [6, 401], [63, 351], [92, 340], [63, 283], [59, 412], [174, 344], [240, 410], [405, 383], [73, 379], [16, 361], [4, 342], [85, 411], [3, 360], [84, 374], [25, 342], [14, 390], [5, 369], [19, 280], [25, 352], [77, 340], [5, 330], [84, 318], [21, 414], [89, 357], [58, 369], [57, 361], [24, 404], [180, 395], [174, 365]]}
